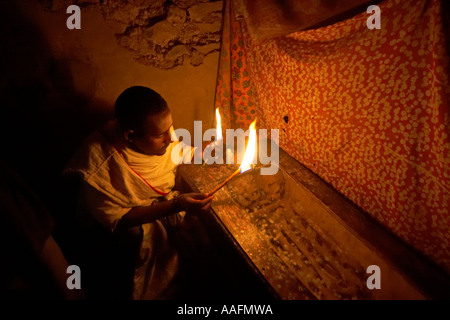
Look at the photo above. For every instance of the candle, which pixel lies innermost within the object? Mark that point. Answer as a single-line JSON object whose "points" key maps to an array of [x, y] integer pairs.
{"points": [[218, 125], [224, 183], [247, 162]]}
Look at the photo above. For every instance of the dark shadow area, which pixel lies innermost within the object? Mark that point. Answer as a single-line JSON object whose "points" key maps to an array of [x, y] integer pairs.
{"points": [[43, 117]]}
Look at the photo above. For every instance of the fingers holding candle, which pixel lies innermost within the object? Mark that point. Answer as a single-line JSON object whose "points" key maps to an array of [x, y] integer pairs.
{"points": [[194, 201]]}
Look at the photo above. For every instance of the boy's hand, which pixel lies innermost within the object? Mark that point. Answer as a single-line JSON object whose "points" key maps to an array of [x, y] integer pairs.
{"points": [[194, 201]]}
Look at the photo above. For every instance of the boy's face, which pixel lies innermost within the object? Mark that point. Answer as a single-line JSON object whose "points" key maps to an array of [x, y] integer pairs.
{"points": [[155, 135]]}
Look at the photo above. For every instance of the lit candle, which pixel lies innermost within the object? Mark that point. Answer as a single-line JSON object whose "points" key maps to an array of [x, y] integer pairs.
{"points": [[246, 164], [218, 125], [208, 152]]}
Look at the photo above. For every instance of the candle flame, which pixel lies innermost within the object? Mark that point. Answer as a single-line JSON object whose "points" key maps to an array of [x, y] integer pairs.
{"points": [[250, 152], [218, 125]]}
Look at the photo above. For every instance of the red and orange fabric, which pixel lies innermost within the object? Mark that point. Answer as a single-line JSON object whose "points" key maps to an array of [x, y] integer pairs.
{"points": [[365, 109]]}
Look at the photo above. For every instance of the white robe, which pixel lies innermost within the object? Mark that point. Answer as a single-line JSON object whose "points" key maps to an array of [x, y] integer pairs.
{"points": [[120, 178]]}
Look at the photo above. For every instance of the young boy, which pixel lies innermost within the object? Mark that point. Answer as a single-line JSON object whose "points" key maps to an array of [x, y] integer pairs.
{"points": [[128, 179]]}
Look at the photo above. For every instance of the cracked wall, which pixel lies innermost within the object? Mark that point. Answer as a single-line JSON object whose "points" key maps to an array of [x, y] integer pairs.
{"points": [[160, 33]]}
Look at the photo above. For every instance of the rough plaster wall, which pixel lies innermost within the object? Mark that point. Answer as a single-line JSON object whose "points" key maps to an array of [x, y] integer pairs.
{"points": [[159, 33]]}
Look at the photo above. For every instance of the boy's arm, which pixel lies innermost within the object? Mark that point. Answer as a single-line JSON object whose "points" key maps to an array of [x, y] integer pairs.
{"points": [[185, 202]]}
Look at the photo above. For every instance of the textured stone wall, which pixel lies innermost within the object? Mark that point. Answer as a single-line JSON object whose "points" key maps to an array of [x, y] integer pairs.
{"points": [[159, 33]]}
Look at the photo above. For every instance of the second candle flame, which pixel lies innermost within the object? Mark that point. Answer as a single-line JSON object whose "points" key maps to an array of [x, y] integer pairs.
{"points": [[250, 151], [218, 125]]}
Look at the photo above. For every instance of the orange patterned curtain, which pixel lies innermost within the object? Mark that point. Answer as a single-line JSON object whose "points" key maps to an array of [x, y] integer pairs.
{"points": [[365, 109]]}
